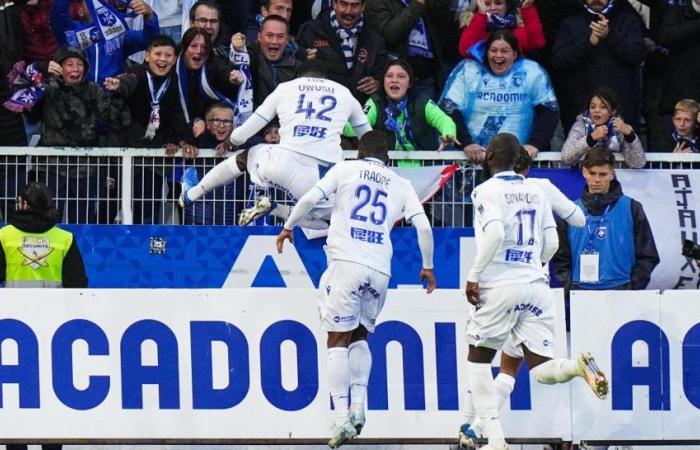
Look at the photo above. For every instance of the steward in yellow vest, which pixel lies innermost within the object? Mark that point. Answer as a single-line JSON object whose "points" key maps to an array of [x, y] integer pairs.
{"points": [[33, 251]]}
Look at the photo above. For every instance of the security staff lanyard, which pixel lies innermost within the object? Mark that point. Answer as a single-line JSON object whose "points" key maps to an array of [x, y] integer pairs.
{"points": [[589, 259]]}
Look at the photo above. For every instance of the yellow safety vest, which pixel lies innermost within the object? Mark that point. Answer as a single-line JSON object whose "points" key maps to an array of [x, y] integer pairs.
{"points": [[34, 259]]}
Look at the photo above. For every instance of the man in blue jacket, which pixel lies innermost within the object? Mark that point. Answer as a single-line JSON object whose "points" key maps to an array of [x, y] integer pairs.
{"points": [[616, 249]]}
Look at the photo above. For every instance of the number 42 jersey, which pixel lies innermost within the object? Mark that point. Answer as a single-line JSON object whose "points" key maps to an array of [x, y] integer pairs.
{"points": [[370, 198], [312, 114], [523, 208]]}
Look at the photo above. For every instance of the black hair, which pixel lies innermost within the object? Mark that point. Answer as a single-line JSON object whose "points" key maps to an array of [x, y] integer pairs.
{"points": [[39, 199], [208, 3], [275, 18], [504, 149], [161, 40], [501, 35], [404, 65], [374, 144], [313, 68], [607, 95], [599, 156], [523, 162]]}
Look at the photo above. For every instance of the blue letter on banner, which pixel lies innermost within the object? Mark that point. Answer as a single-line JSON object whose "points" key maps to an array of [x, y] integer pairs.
{"points": [[62, 364], [134, 375], [691, 365], [271, 370], [204, 395], [26, 372]]}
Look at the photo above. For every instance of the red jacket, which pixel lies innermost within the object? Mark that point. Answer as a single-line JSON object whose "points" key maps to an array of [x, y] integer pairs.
{"points": [[39, 41], [530, 35]]}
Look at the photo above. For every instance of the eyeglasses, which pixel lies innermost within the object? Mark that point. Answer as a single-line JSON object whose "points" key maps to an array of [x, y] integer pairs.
{"points": [[220, 122], [204, 21]]}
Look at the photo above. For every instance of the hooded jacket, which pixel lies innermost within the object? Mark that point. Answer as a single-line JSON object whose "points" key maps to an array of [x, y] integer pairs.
{"points": [[646, 257], [36, 221]]}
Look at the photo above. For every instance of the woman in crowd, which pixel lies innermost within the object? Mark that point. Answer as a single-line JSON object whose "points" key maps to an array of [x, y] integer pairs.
{"points": [[410, 119], [498, 91], [601, 125], [492, 15]]}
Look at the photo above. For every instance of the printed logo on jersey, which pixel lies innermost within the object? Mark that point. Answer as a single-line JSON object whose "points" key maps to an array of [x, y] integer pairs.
{"points": [[602, 232]]}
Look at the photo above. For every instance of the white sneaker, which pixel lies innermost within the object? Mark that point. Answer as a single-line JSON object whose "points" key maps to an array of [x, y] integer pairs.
{"points": [[262, 206], [343, 433], [589, 371], [357, 419]]}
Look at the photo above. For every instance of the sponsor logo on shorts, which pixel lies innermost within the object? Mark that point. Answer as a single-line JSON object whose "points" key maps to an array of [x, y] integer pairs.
{"points": [[338, 319]]}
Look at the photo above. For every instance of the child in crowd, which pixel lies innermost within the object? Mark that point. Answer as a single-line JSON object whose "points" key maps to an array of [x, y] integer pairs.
{"points": [[685, 127]]}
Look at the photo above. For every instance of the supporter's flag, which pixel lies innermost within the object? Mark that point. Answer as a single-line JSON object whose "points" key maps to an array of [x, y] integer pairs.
{"points": [[244, 101], [428, 180], [30, 88], [109, 23]]}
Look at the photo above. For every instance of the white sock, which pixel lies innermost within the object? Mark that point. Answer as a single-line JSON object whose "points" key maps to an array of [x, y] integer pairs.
{"points": [[559, 370], [360, 365], [469, 410], [484, 394], [339, 381], [223, 173], [504, 386]]}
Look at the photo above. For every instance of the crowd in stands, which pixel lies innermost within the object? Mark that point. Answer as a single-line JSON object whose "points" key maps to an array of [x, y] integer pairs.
{"points": [[561, 75]]}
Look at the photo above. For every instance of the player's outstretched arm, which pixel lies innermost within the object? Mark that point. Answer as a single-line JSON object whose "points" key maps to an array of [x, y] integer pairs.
{"points": [[301, 209], [425, 243], [285, 234], [427, 276], [550, 244], [486, 249]]}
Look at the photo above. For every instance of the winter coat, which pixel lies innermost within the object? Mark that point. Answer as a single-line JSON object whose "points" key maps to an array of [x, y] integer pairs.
{"points": [[529, 34], [267, 75], [11, 51], [578, 142], [370, 53], [680, 34], [39, 40], [645, 254], [615, 63]]}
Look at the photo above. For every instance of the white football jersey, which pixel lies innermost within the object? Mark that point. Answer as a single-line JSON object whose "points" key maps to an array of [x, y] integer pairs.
{"points": [[561, 205], [312, 113], [369, 199], [521, 205]]}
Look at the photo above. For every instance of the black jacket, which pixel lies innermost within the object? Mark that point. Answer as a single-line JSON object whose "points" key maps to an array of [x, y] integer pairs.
{"points": [[172, 129], [218, 70], [680, 34], [370, 53], [32, 221], [615, 62], [11, 51], [266, 74], [645, 253]]}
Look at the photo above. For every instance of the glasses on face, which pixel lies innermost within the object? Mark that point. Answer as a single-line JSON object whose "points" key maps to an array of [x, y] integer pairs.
{"points": [[220, 122], [202, 21]]}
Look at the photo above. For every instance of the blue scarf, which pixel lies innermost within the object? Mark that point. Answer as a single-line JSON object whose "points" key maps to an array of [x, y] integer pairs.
{"points": [[611, 5], [154, 117], [402, 131], [109, 25], [692, 143], [496, 22], [418, 39], [204, 86], [244, 100], [31, 90], [614, 139], [346, 36]]}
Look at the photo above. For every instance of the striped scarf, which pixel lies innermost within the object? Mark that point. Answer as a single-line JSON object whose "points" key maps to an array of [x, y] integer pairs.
{"points": [[690, 142], [611, 5], [346, 36]]}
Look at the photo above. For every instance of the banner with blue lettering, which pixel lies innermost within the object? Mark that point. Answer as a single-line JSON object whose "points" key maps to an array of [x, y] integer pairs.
{"points": [[226, 364], [649, 344]]}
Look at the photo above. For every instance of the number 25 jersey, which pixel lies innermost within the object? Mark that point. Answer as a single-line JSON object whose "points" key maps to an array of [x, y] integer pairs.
{"points": [[370, 198]]}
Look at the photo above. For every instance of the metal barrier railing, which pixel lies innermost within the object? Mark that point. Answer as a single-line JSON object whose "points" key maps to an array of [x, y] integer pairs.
{"points": [[141, 186]]}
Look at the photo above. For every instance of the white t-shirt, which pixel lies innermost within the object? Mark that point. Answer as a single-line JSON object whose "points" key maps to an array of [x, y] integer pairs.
{"points": [[369, 199], [561, 205], [312, 114], [523, 208]]}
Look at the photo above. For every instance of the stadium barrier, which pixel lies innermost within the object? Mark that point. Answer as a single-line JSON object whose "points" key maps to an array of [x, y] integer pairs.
{"points": [[248, 366], [120, 185]]}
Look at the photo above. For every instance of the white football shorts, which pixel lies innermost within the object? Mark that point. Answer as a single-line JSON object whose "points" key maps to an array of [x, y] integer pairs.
{"points": [[351, 294], [271, 165], [524, 312]]}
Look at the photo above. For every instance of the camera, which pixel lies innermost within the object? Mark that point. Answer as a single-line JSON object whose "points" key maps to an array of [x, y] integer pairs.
{"points": [[691, 250]]}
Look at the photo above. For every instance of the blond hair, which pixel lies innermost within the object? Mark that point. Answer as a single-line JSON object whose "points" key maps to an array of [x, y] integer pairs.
{"points": [[687, 105]]}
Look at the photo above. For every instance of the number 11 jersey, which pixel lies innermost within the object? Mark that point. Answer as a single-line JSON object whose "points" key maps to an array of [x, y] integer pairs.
{"points": [[370, 198], [312, 114]]}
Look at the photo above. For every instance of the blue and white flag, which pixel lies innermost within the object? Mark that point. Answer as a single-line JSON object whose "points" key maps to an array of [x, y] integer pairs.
{"points": [[109, 23], [244, 101]]}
